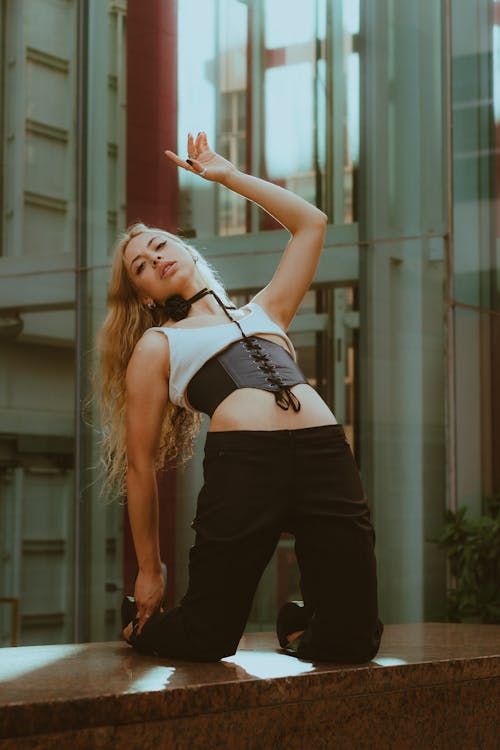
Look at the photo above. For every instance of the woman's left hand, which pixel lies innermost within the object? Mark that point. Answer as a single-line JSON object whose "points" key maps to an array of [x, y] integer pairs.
{"points": [[204, 162]]}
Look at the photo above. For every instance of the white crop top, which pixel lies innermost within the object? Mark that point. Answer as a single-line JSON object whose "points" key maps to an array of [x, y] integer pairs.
{"points": [[190, 348]]}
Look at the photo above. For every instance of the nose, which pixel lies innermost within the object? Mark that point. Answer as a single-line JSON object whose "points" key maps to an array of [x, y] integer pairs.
{"points": [[156, 260]]}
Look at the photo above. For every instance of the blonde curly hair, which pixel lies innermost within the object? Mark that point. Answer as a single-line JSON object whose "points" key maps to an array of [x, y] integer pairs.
{"points": [[127, 320]]}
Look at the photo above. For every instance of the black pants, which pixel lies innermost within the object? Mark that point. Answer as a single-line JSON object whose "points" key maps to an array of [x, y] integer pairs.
{"points": [[258, 484]]}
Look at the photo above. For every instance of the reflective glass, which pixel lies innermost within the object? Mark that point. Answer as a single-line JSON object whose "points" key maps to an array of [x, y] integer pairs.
{"points": [[289, 98], [403, 170], [289, 112], [475, 153], [37, 482], [346, 104], [288, 22], [402, 438], [37, 342], [476, 406]]}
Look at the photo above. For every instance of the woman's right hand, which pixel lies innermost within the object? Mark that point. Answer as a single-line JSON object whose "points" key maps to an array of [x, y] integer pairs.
{"points": [[149, 594], [203, 161]]}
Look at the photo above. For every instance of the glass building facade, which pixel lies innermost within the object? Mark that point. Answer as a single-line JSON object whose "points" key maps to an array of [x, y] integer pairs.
{"points": [[386, 115]]}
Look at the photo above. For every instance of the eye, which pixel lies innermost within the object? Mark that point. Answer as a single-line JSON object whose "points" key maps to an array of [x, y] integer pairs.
{"points": [[161, 244], [140, 268]]}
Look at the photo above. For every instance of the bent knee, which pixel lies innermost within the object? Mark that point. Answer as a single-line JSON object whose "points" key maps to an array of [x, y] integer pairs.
{"points": [[343, 650]]}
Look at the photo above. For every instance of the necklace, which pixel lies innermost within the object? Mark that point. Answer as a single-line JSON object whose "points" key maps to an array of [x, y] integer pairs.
{"points": [[177, 308]]}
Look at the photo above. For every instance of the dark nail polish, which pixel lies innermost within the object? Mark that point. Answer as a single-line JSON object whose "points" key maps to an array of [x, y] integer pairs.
{"points": [[189, 162]]}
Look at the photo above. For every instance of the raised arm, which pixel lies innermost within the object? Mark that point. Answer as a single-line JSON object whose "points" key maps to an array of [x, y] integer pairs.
{"points": [[306, 223], [147, 396]]}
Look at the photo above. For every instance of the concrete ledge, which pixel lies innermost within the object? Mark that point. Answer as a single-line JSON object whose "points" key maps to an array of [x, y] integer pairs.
{"points": [[432, 685]]}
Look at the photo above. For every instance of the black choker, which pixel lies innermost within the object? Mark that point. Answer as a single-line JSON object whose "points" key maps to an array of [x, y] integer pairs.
{"points": [[177, 308]]}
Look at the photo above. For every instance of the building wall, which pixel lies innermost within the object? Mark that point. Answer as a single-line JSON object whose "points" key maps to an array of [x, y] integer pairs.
{"points": [[384, 115]]}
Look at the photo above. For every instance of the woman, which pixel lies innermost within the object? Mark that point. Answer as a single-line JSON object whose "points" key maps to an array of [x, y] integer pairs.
{"points": [[275, 458]]}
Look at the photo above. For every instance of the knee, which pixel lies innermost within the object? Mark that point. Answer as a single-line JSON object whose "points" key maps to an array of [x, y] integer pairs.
{"points": [[353, 649], [365, 647], [359, 652]]}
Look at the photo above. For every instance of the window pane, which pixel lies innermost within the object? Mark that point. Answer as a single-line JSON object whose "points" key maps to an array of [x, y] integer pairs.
{"points": [[37, 344], [288, 22]]}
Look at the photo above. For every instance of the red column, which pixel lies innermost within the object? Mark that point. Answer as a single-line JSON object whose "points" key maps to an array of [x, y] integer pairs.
{"points": [[152, 185]]}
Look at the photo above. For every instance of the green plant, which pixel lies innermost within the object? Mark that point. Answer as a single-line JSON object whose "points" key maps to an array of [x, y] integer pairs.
{"points": [[472, 547]]}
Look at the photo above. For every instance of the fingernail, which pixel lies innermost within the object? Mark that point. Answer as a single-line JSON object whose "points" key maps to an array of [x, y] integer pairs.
{"points": [[189, 162]]}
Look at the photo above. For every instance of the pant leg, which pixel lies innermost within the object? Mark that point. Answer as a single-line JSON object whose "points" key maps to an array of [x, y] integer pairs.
{"points": [[335, 550], [238, 523]]}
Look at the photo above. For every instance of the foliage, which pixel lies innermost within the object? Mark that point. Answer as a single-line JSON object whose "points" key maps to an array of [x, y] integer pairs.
{"points": [[473, 550]]}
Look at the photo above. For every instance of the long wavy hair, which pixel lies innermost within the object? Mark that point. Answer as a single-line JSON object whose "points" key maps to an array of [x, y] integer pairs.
{"points": [[127, 320]]}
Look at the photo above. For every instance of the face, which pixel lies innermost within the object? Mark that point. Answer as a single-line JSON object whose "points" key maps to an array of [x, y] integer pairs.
{"points": [[159, 266]]}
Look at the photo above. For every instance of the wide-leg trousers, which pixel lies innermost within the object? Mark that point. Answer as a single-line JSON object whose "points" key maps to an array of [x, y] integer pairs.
{"points": [[258, 484]]}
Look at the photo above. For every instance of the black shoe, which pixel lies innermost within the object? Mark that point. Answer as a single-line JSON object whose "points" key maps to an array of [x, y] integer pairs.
{"points": [[292, 616], [128, 610]]}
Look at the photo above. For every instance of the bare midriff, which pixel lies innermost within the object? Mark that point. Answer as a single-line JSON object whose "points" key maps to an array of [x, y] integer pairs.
{"points": [[253, 409]]}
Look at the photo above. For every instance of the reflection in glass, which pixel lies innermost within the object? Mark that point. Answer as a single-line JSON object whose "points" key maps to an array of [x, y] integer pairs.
{"points": [[350, 10], [197, 88], [232, 103], [288, 22], [289, 127], [288, 112]]}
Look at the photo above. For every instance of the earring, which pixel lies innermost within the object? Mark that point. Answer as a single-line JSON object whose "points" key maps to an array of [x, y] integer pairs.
{"points": [[151, 305]]}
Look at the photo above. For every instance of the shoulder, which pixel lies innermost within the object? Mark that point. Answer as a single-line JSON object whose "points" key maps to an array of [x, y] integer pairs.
{"points": [[150, 357], [152, 342]]}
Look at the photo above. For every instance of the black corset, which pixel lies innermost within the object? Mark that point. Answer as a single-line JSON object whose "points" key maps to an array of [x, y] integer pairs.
{"points": [[251, 362]]}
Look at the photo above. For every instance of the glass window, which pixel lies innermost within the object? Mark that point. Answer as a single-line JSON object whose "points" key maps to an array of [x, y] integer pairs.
{"points": [[281, 100], [37, 343], [345, 104]]}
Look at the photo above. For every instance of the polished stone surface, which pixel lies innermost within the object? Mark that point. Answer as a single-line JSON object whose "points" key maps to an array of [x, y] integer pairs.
{"points": [[105, 695]]}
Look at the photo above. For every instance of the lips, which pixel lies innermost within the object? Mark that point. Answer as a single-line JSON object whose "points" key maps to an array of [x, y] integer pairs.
{"points": [[166, 267]]}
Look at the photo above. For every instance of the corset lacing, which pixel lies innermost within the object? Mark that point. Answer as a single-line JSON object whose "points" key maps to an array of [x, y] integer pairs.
{"points": [[283, 396]]}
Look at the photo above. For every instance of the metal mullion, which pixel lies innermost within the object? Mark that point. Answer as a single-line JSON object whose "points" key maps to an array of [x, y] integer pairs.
{"points": [[3, 65], [318, 191], [487, 236], [121, 124], [217, 111], [337, 112], [257, 88], [15, 115], [329, 145], [451, 473], [80, 574]]}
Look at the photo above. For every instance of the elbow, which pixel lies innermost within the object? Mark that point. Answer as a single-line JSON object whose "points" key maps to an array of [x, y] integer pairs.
{"points": [[315, 221], [318, 223], [139, 467], [318, 219], [322, 218]]}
